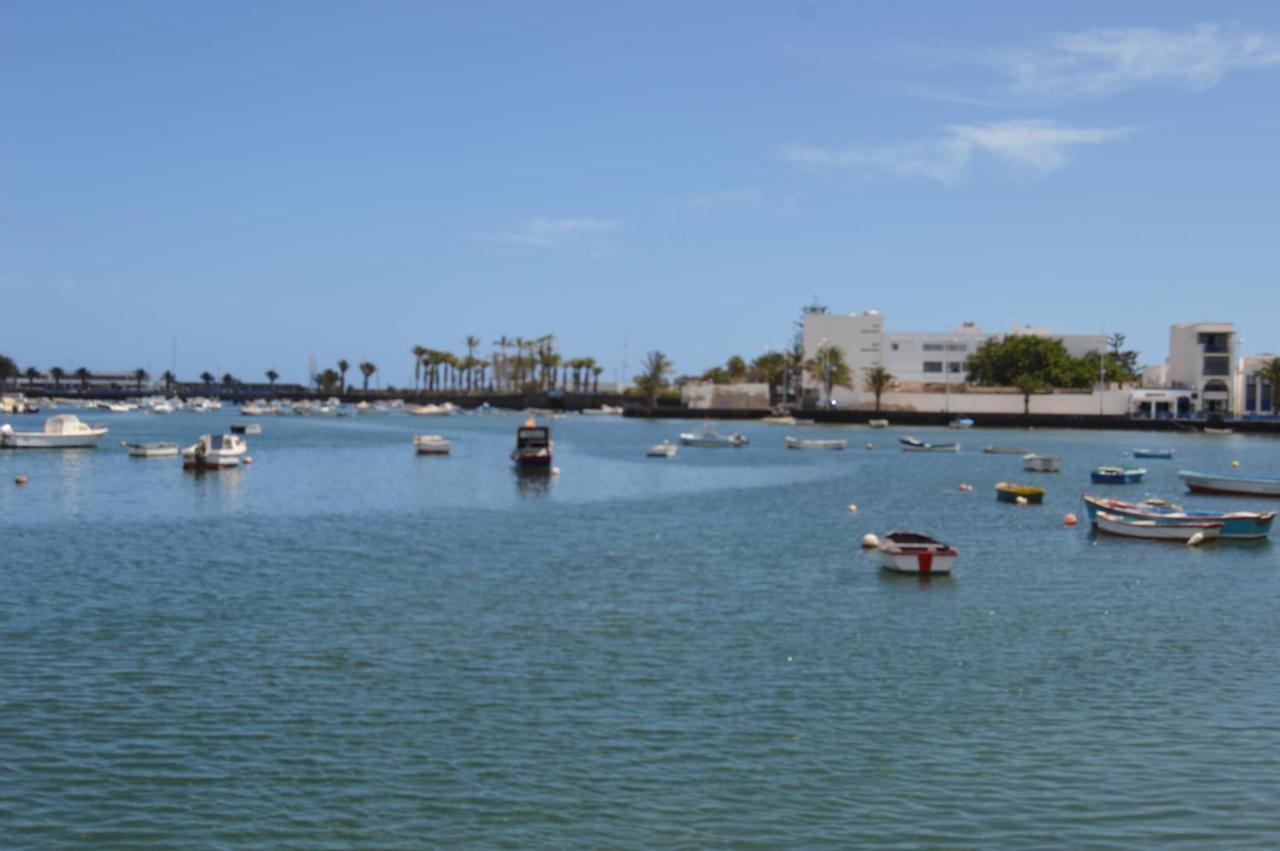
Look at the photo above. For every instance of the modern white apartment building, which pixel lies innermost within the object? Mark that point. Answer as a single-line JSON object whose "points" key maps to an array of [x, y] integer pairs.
{"points": [[1202, 359], [1253, 394], [860, 336]]}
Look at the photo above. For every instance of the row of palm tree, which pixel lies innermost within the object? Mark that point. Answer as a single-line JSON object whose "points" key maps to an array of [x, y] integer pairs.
{"points": [[516, 364], [330, 380]]}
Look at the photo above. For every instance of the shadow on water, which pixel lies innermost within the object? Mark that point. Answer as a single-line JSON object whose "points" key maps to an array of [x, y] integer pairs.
{"points": [[532, 483]]}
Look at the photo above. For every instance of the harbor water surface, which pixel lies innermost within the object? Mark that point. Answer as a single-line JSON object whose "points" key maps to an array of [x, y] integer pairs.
{"points": [[347, 646]]}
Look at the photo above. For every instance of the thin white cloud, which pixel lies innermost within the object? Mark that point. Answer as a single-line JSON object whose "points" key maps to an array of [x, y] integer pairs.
{"points": [[1035, 146], [720, 200], [545, 233], [1102, 62]]}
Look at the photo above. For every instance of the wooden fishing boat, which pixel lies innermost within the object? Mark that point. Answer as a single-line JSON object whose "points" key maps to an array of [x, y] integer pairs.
{"points": [[533, 446], [798, 443], [1033, 463], [1153, 453], [1003, 450], [152, 450], [1236, 525], [665, 449], [1234, 485], [712, 439], [431, 444], [910, 444], [1117, 475], [1131, 527], [1010, 492], [911, 552]]}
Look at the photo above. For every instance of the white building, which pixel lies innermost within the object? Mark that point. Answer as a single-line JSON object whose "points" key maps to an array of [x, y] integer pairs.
{"points": [[1253, 392], [860, 336], [1202, 359]]}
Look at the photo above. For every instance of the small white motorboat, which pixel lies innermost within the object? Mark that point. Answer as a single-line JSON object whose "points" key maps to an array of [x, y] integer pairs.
{"points": [[1033, 463], [711, 438], [603, 411], [431, 444], [445, 410], [1157, 530], [64, 431], [1153, 453], [911, 552], [665, 449], [152, 450], [960, 422], [799, 443], [214, 452], [910, 444], [878, 423], [251, 410]]}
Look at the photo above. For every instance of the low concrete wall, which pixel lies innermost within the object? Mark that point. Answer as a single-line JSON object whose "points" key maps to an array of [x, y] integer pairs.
{"points": [[1112, 403]]}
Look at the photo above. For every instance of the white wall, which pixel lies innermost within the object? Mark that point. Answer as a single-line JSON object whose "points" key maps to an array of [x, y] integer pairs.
{"points": [[702, 395], [1114, 403]]}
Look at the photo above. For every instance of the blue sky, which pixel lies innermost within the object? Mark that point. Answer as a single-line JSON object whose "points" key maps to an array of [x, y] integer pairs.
{"points": [[267, 181]]}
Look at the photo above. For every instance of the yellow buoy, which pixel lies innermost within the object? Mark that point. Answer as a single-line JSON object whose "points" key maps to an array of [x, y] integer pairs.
{"points": [[1070, 519], [870, 541]]}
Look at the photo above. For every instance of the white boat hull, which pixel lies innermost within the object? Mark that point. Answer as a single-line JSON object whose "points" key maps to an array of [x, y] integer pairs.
{"points": [[798, 443], [1238, 485], [1151, 530], [921, 563], [32, 440], [159, 450], [662, 450]]}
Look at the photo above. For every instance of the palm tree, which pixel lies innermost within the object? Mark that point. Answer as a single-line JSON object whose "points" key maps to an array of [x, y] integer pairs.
{"points": [[793, 380], [206, 377], [1027, 384], [343, 366], [228, 379], [367, 369], [140, 375], [828, 367], [168, 378], [83, 375], [32, 374], [419, 352], [770, 368], [327, 381], [7, 368], [1270, 372], [473, 343], [57, 373], [654, 377], [736, 367], [877, 381], [272, 375], [595, 374]]}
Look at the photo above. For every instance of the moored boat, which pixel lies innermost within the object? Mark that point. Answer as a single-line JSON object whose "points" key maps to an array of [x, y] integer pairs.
{"points": [[878, 423], [603, 411], [214, 452], [246, 428], [533, 446], [961, 422], [1236, 525], [1153, 453], [1010, 492], [910, 444], [1232, 485], [152, 450], [912, 552], [799, 443], [1132, 527], [64, 431], [1117, 475], [431, 444], [1003, 450], [665, 449], [1034, 463], [710, 438]]}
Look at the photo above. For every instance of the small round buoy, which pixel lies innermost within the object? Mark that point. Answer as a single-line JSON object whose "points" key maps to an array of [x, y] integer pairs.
{"points": [[1070, 519], [853, 509], [1022, 500], [870, 541], [20, 480], [124, 443], [870, 445], [1195, 539], [246, 460], [966, 487], [1235, 463], [555, 471]]}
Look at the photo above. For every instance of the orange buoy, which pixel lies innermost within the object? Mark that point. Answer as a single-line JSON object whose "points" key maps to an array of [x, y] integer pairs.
{"points": [[20, 480], [1070, 519]]}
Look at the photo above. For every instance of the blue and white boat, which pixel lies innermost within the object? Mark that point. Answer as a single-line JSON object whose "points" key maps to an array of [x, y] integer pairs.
{"points": [[1117, 475], [1234, 485], [1236, 525], [1153, 453]]}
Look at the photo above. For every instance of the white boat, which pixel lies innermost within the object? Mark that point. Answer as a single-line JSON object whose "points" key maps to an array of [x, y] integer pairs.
{"points": [[152, 450], [911, 552], [1237, 485], [64, 431], [444, 410], [251, 410], [1217, 431], [779, 419], [1130, 527], [960, 422], [665, 449], [711, 438], [603, 411], [246, 428], [910, 444], [1153, 453], [798, 443], [117, 407], [163, 406], [213, 452], [1034, 463], [431, 444], [878, 423]]}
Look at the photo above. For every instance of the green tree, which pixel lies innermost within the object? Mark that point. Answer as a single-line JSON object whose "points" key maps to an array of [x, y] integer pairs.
{"points": [[8, 369], [1028, 384], [828, 368], [1002, 362], [206, 377], [877, 381], [228, 380], [654, 377], [32, 374], [1270, 372], [140, 375], [716, 375], [595, 380], [419, 353], [737, 369], [770, 369], [343, 366], [327, 381], [367, 369], [272, 375]]}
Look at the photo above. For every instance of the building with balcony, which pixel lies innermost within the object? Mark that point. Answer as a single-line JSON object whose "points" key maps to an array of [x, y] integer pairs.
{"points": [[1202, 359]]}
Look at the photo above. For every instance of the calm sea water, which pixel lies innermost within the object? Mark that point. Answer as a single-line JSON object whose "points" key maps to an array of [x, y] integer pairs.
{"points": [[348, 646]]}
